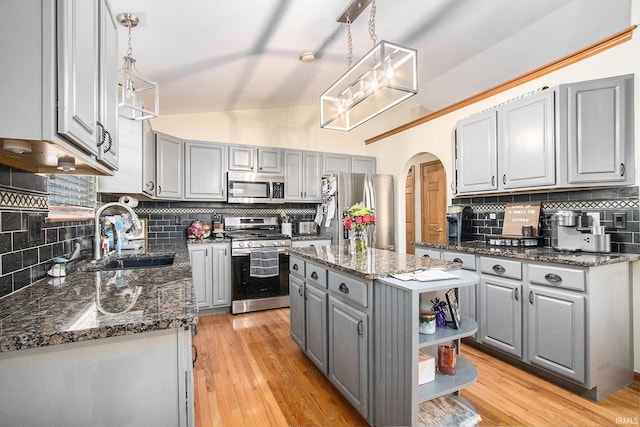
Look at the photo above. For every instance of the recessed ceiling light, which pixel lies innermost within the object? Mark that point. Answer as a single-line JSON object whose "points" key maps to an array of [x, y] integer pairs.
{"points": [[16, 146], [307, 56]]}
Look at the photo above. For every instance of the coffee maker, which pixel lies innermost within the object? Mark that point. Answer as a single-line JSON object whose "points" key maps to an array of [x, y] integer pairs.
{"points": [[578, 231], [458, 224]]}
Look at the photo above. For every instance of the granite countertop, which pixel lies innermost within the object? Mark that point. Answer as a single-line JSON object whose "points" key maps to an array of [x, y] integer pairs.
{"points": [[373, 264], [310, 237], [89, 304], [542, 254]]}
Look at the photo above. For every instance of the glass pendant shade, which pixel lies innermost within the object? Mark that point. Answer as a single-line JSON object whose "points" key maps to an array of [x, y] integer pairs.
{"points": [[384, 77], [139, 96]]}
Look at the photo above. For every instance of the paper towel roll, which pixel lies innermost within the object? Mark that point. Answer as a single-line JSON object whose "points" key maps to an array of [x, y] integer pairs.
{"points": [[130, 201]]}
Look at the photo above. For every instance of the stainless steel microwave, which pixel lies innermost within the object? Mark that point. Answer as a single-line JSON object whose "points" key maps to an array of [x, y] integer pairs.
{"points": [[248, 187]]}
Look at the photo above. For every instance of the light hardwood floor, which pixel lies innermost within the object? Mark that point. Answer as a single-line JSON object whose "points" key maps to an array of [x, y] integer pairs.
{"points": [[249, 372]]}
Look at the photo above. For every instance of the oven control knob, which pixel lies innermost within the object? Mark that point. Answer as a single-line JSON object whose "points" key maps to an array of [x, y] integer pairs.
{"points": [[263, 244], [249, 244]]}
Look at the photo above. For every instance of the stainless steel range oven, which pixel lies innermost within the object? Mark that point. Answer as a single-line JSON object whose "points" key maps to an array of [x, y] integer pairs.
{"points": [[251, 239]]}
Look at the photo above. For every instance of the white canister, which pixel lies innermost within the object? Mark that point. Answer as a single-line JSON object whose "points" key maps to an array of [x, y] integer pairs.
{"points": [[286, 228], [427, 324]]}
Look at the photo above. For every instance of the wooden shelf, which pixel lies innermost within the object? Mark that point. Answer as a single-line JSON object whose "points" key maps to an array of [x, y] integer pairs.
{"points": [[466, 374], [468, 327]]}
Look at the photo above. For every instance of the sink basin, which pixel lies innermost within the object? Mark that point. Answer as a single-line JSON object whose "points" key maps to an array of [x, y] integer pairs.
{"points": [[151, 261]]}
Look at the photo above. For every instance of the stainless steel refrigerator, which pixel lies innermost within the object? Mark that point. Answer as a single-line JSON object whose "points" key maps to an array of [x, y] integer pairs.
{"points": [[343, 190]]}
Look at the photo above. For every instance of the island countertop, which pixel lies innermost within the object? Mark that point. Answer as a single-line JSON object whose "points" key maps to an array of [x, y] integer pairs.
{"points": [[541, 254], [89, 305], [373, 264]]}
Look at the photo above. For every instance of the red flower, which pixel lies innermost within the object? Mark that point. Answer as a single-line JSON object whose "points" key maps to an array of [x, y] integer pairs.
{"points": [[358, 219], [373, 218], [367, 219], [347, 223]]}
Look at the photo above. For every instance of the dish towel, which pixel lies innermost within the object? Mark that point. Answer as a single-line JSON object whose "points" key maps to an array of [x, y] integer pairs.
{"points": [[264, 263]]}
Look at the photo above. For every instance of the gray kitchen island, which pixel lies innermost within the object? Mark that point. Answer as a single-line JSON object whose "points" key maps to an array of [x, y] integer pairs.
{"points": [[359, 326]]}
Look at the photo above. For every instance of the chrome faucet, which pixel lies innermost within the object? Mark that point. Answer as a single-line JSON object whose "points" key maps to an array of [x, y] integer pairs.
{"points": [[97, 237]]}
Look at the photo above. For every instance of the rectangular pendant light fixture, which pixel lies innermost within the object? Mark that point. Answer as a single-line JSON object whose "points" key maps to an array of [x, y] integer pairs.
{"points": [[384, 77]]}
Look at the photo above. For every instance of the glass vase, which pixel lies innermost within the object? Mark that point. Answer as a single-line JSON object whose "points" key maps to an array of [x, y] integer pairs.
{"points": [[358, 242]]}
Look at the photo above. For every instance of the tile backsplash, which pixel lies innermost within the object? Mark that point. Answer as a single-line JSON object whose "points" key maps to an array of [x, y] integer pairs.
{"points": [[27, 243], [606, 202]]}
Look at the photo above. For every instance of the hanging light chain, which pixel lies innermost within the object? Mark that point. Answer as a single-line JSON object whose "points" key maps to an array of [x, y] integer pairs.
{"points": [[349, 44], [372, 23], [130, 49]]}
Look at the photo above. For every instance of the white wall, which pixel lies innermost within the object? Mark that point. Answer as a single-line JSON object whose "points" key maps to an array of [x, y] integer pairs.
{"points": [[299, 128]]}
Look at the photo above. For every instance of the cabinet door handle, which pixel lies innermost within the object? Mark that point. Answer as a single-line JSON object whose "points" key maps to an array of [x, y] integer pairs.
{"points": [[306, 296], [426, 256], [493, 180], [360, 324], [300, 290], [453, 186], [553, 278], [504, 179], [498, 268], [343, 288], [531, 297], [295, 267], [314, 275], [516, 294], [622, 169], [225, 251], [206, 252], [159, 189], [458, 260]]}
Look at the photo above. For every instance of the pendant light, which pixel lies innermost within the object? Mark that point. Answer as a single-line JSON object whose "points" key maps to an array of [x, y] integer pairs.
{"points": [[139, 96], [384, 77]]}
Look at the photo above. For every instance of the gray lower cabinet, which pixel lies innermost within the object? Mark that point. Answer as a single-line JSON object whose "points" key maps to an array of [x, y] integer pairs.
{"points": [[428, 252], [205, 167], [467, 295], [348, 353], [211, 270], [169, 167], [308, 310], [556, 331], [501, 304]]}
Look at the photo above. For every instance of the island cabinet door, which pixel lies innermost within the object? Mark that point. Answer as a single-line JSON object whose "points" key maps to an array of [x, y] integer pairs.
{"points": [[501, 314], [316, 326], [296, 310], [556, 331], [348, 353]]}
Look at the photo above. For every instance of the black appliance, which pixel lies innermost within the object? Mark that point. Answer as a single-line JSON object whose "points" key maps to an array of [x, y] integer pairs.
{"points": [[250, 293], [459, 224]]}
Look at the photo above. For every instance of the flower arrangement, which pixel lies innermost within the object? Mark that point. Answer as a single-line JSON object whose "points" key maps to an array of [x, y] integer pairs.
{"points": [[358, 217]]}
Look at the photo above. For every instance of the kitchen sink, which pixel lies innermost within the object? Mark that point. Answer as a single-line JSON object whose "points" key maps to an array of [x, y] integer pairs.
{"points": [[145, 261]]}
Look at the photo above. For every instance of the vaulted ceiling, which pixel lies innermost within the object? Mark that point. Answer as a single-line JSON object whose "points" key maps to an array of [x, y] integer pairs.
{"points": [[220, 55]]}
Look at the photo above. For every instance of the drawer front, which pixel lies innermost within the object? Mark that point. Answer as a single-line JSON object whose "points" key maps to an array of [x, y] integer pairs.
{"points": [[348, 289], [501, 267], [296, 266], [316, 274], [428, 253], [559, 277], [468, 260]]}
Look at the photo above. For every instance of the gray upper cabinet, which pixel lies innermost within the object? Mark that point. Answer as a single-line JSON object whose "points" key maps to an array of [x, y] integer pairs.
{"points": [[78, 71], [363, 164], [598, 130], [108, 139], [476, 155], [169, 167], [255, 159], [205, 166], [148, 160], [302, 176], [335, 163], [526, 142]]}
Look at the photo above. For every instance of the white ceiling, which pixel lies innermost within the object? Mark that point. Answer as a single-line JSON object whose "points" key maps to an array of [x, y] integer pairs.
{"points": [[221, 55]]}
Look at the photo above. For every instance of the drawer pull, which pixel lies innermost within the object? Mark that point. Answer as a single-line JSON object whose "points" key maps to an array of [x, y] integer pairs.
{"points": [[498, 268], [426, 256], [295, 267], [531, 297], [493, 180], [343, 288], [360, 328], [314, 275], [300, 290], [516, 294], [553, 278], [458, 260], [622, 169]]}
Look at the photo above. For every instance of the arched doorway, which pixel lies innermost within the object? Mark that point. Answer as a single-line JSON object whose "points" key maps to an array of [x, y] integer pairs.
{"points": [[425, 200]]}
